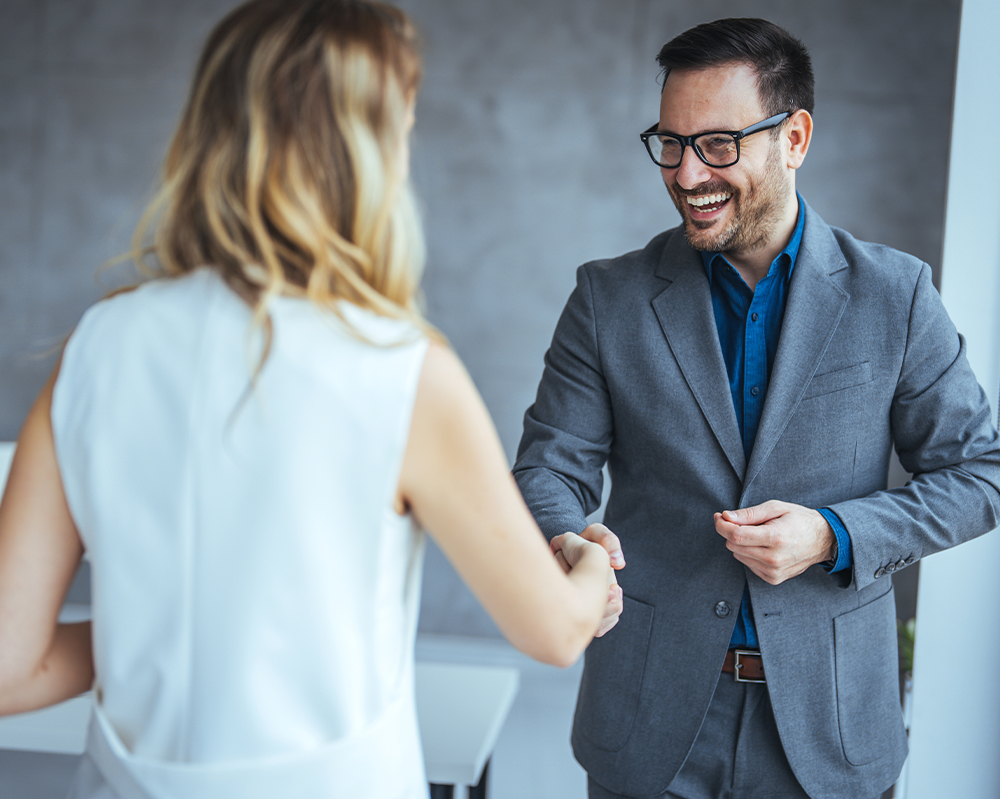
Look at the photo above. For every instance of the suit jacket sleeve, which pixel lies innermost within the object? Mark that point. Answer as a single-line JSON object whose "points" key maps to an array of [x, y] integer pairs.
{"points": [[568, 430], [943, 433]]}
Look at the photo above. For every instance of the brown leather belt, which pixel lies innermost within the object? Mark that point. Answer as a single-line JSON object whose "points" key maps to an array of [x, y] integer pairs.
{"points": [[746, 664]]}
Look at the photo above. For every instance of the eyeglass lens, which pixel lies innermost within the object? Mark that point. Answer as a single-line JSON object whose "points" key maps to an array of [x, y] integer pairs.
{"points": [[718, 149]]}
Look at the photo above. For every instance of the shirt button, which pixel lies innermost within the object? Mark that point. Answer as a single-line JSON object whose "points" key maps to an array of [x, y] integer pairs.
{"points": [[753, 316], [722, 609], [754, 391]]}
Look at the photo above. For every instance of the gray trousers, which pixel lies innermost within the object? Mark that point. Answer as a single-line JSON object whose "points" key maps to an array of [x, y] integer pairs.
{"points": [[737, 754]]}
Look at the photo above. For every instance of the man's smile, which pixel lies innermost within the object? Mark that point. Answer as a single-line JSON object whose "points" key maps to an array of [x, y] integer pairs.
{"points": [[707, 204]]}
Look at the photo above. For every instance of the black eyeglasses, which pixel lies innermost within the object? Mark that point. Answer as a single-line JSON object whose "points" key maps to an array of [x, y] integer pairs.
{"points": [[720, 148]]}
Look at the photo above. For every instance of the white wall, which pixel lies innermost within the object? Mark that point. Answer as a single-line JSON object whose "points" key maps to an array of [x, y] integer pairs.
{"points": [[955, 734]]}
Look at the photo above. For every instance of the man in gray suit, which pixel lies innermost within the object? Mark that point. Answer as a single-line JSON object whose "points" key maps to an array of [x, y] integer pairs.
{"points": [[755, 359]]}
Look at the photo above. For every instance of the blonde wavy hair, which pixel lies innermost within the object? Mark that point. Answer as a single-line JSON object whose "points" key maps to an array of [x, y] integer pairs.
{"points": [[286, 173]]}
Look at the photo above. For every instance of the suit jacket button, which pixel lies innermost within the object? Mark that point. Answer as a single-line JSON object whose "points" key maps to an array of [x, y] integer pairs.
{"points": [[901, 564], [723, 609], [890, 568], [879, 572], [910, 560]]}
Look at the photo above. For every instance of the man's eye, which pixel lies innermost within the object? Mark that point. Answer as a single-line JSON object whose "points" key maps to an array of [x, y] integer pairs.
{"points": [[717, 144]]}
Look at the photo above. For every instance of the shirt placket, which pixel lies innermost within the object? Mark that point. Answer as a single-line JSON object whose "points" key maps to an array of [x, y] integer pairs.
{"points": [[754, 364]]}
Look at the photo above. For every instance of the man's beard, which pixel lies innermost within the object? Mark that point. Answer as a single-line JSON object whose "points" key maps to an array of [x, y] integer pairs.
{"points": [[754, 217]]}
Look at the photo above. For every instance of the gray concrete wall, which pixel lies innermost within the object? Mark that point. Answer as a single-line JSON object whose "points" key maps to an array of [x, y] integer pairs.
{"points": [[526, 156]]}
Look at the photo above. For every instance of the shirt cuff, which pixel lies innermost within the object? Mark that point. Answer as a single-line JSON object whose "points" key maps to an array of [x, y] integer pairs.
{"points": [[845, 557]]}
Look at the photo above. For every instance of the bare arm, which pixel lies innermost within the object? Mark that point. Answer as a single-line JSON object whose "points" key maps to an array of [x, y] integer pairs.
{"points": [[41, 661], [455, 478]]}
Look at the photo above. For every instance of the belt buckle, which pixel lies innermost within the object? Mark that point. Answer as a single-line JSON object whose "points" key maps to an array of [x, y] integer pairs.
{"points": [[738, 667]]}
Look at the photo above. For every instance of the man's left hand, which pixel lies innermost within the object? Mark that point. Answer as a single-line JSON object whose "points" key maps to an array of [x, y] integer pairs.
{"points": [[776, 540]]}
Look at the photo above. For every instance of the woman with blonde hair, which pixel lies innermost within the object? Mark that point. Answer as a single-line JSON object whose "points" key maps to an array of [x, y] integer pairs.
{"points": [[242, 446]]}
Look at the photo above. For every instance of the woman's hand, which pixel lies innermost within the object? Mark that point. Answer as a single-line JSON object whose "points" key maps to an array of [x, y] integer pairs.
{"points": [[569, 547]]}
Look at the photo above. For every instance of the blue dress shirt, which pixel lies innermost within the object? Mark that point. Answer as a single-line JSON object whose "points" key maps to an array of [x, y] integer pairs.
{"points": [[749, 325]]}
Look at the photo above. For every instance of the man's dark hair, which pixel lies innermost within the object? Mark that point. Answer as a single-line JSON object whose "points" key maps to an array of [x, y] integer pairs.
{"points": [[781, 62]]}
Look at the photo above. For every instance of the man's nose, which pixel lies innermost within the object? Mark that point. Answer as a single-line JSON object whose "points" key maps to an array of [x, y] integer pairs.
{"points": [[692, 171]]}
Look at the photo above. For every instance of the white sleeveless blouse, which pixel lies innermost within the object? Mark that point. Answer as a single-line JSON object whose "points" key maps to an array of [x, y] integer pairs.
{"points": [[254, 593]]}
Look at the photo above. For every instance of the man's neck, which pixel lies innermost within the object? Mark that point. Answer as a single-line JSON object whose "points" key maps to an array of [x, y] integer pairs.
{"points": [[753, 265]]}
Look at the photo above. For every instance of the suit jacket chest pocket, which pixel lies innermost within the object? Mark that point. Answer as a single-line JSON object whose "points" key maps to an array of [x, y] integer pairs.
{"points": [[839, 380], [815, 460]]}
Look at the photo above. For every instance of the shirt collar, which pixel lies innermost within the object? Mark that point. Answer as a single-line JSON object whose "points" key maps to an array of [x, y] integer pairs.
{"points": [[791, 249]]}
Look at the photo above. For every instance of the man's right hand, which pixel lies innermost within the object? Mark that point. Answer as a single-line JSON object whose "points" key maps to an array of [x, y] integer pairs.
{"points": [[599, 534]]}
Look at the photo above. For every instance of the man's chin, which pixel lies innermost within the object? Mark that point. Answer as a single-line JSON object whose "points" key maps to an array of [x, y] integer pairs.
{"points": [[702, 237]]}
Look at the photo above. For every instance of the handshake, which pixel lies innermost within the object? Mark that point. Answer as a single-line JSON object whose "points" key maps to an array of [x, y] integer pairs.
{"points": [[567, 549]]}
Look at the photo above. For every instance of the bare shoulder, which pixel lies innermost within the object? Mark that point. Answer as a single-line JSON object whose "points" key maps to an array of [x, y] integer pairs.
{"points": [[445, 385], [440, 364]]}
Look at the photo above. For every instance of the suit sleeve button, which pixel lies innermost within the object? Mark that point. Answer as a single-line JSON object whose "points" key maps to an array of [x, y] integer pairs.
{"points": [[879, 572], [723, 609], [890, 568]]}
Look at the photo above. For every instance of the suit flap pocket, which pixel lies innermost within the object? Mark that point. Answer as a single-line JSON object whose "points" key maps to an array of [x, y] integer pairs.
{"points": [[612, 675], [868, 707]]}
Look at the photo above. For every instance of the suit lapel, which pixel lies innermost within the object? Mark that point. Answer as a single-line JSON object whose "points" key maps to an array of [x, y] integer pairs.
{"points": [[684, 310], [813, 310]]}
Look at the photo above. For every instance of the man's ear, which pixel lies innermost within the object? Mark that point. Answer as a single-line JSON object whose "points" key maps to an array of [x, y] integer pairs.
{"points": [[797, 134]]}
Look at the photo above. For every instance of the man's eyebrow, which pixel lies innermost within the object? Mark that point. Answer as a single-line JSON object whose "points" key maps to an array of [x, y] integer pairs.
{"points": [[701, 132]]}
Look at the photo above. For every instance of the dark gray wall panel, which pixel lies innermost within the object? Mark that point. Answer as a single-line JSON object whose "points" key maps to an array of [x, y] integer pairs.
{"points": [[526, 157]]}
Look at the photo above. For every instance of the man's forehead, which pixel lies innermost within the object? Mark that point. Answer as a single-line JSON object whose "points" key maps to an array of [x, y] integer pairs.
{"points": [[740, 72], [721, 97]]}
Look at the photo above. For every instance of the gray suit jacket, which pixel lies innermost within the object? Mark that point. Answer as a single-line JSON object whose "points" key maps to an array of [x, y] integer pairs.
{"points": [[635, 378]]}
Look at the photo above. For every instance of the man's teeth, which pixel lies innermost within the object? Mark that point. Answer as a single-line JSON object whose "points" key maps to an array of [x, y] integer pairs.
{"points": [[708, 199]]}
